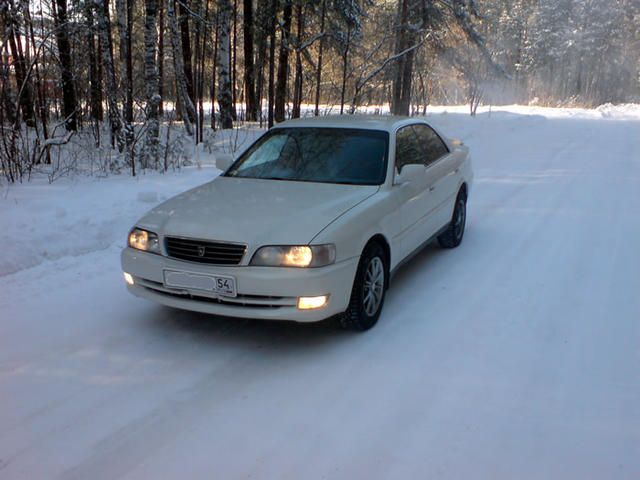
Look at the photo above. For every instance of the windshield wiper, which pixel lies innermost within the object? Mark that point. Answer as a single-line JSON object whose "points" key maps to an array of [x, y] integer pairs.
{"points": [[274, 178]]}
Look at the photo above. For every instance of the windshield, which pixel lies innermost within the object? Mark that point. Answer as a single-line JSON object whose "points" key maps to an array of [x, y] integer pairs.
{"points": [[326, 155]]}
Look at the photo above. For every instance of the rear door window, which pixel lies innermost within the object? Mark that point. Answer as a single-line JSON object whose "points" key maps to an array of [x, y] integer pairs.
{"points": [[431, 143], [408, 150]]}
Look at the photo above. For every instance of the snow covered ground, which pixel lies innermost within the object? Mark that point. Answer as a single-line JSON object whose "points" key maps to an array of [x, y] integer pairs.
{"points": [[515, 356]]}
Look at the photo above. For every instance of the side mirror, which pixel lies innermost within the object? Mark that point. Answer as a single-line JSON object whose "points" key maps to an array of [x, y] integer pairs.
{"points": [[410, 173], [224, 161]]}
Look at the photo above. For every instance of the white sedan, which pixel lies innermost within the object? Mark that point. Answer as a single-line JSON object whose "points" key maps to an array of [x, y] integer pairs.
{"points": [[310, 222]]}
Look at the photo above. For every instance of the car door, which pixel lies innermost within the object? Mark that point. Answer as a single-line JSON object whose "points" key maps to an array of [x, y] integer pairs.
{"points": [[443, 172], [414, 197]]}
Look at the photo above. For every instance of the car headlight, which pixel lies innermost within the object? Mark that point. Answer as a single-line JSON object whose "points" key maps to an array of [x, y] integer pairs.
{"points": [[143, 240], [295, 256]]}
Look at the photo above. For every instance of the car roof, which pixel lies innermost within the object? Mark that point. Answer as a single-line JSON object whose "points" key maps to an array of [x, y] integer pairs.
{"points": [[369, 122]]}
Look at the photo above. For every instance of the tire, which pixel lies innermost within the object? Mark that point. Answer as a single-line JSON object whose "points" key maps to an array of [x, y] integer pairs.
{"points": [[364, 307], [452, 236]]}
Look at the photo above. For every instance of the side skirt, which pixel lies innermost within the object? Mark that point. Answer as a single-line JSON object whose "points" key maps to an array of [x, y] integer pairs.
{"points": [[422, 246]]}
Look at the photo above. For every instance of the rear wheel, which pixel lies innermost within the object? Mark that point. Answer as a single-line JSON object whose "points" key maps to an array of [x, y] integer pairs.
{"points": [[452, 236], [367, 294]]}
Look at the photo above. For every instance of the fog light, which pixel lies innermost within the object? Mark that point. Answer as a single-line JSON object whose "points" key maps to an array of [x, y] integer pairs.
{"points": [[309, 303], [128, 278]]}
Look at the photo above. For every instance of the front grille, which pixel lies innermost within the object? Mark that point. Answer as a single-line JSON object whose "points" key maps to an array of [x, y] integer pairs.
{"points": [[215, 253]]}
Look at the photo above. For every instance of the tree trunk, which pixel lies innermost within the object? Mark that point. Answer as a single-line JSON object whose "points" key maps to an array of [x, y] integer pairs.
{"points": [[283, 64], [124, 10], [151, 141], [264, 12], [95, 85], [407, 77], [186, 48], [8, 111], [345, 68], [401, 97], [213, 75], [297, 83], [186, 107], [23, 77], [272, 61], [320, 51], [104, 29], [234, 114], [128, 112], [196, 65], [69, 99], [249, 68], [41, 99], [224, 77], [161, 26], [200, 85]]}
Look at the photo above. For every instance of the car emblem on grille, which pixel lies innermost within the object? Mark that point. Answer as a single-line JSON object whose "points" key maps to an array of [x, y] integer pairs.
{"points": [[201, 251]]}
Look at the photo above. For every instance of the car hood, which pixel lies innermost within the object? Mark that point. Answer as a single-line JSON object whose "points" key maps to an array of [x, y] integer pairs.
{"points": [[254, 211]]}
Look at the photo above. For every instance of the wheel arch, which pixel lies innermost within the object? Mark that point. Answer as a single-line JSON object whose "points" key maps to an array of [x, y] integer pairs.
{"points": [[464, 189], [381, 240]]}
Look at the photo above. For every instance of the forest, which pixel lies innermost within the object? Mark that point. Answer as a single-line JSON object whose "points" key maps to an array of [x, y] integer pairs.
{"points": [[130, 85]]}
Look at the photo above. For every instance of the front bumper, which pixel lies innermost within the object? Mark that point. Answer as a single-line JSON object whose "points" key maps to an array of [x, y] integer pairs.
{"points": [[263, 292]]}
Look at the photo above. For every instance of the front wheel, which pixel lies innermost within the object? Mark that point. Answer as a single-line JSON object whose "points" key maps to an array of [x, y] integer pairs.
{"points": [[367, 294], [452, 236]]}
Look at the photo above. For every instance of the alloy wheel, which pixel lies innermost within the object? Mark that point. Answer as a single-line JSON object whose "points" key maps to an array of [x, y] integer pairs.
{"points": [[373, 286]]}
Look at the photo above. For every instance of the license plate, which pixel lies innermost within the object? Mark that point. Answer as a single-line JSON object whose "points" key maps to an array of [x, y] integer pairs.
{"points": [[222, 285]]}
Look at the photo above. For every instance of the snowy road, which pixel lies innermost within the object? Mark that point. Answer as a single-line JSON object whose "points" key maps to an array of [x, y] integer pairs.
{"points": [[515, 356]]}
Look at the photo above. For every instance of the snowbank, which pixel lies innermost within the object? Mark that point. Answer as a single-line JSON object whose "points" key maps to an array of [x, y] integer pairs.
{"points": [[629, 111], [42, 222]]}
